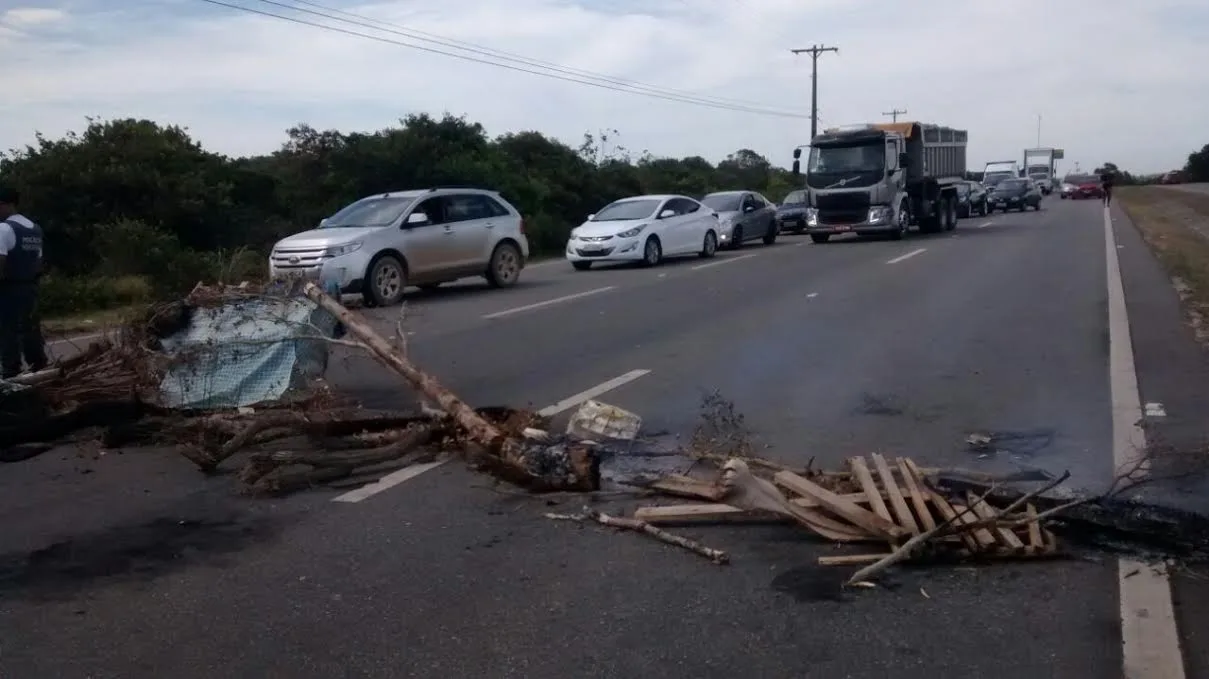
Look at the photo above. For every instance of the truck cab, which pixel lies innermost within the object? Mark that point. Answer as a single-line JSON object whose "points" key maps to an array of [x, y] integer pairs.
{"points": [[882, 179]]}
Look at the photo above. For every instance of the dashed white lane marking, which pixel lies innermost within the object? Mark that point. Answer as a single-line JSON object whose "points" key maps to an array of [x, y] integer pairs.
{"points": [[1150, 641], [909, 255], [985, 225], [604, 387], [812, 295], [548, 302], [1155, 409], [76, 338], [408, 473], [720, 262]]}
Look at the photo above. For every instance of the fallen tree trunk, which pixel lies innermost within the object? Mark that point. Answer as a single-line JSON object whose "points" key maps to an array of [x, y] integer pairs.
{"points": [[536, 467]]}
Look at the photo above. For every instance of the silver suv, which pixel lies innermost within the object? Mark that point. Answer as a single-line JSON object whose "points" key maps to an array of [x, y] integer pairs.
{"points": [[381, 244]]}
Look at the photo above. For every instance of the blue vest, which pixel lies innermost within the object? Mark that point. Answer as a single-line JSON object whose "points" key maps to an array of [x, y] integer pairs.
{"points": [[23, 263]]}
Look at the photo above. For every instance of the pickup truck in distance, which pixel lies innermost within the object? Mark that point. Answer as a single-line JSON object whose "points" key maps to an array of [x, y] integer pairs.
{"points": [[882, 179]]}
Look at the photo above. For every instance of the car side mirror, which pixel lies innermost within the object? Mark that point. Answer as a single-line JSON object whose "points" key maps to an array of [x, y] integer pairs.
{"points": [[416, 219], [667, 213], [797, 153], [749, 208], [591, 216], [797, 167], [322, 222], [904, 160]]}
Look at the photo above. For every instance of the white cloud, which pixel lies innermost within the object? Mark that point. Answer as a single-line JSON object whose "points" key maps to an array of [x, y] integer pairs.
{"points": [[1116, 80], [32, 16]]}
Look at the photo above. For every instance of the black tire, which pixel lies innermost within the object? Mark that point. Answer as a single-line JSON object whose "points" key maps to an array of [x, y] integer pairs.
{"points": [[581, 266], [770, 236], [385, 281], [709, 247], [504, 267], [652, 252], [820, 237], [951, 216], [736, 238]]}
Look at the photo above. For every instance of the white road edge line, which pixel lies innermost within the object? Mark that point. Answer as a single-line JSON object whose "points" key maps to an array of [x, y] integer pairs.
{"points": [[408, 473], [548, 302], [909, 255], [718, 262], [1150, 640]]}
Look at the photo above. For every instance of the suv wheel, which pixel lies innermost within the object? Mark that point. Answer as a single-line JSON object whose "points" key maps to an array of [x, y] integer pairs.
{"points": [[386, 281], [504, 268]]}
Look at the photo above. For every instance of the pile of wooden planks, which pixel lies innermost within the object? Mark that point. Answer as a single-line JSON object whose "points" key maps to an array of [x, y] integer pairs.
{"points": [[875, 500]]}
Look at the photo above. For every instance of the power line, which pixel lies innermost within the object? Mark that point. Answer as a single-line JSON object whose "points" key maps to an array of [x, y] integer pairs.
{"points": [[649, 91], [445, 41], [894, 114], [814, 52]]}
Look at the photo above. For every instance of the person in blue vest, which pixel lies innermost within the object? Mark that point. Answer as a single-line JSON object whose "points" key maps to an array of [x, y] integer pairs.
{"points": [[20, 270]]}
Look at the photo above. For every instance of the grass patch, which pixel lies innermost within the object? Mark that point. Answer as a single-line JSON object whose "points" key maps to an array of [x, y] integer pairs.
{"points": [[1175, 224], [86, 323]]}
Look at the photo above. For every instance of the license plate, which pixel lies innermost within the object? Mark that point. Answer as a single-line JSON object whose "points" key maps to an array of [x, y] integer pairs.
{"points": [[592, 247], [843, 228]]}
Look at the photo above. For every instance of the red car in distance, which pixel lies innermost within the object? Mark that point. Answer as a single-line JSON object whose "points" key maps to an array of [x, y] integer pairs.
{"points": [[1076, 186]]}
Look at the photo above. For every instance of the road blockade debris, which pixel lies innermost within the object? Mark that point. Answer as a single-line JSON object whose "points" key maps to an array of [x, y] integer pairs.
{"points": [[235, 373]]}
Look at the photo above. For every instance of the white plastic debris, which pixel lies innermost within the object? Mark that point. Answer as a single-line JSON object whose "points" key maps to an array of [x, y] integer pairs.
{"points": [[596, 420]]}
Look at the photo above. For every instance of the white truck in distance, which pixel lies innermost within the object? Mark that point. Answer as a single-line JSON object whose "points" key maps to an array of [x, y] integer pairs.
{"points": [[998, 170], [1040, 165]]}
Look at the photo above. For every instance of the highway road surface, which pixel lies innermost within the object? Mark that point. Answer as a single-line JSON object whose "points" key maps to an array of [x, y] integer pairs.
{"points": [[1055, 331]]}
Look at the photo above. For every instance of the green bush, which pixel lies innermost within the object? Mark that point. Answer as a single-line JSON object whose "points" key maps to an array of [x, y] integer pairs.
{"points": [[66, 295]]}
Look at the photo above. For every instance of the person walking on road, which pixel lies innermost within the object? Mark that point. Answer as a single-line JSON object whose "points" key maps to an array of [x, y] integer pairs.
{"points": [[20, 270], [1106, 179]]}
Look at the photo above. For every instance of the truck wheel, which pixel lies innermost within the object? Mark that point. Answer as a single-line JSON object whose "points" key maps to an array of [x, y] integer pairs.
{"points": [[820, 237], [903, 221], [951, 221]]}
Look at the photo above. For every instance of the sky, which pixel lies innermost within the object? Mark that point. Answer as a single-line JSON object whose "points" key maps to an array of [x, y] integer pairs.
{"points": [[1113, 80]]}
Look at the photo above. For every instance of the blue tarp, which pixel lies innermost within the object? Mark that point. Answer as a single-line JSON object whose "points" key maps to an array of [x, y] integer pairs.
{"points": [[246, 352]]}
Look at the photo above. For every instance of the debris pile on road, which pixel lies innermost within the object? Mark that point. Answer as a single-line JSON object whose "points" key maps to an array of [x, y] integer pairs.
{"points": [[236, 371], [874, 501]]}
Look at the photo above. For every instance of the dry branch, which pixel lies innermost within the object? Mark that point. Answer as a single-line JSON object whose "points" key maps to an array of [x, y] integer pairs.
{"points": [[588, 514]]}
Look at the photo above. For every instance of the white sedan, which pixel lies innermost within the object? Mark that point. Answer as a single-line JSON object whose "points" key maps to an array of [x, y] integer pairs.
{"points": [[644, 229]]}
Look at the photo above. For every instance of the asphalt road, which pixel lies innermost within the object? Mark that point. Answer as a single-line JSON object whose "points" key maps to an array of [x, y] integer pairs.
{"points": [[130, 565]]}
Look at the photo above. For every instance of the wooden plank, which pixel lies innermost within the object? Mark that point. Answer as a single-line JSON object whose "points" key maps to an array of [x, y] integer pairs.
{"points": [[984, 512], [897, 502], [1036, 546], [868, 521], [966, 516], [949, 514], [861, 471], [913, 484], [851, 559], [687, 486], [723, 512]]}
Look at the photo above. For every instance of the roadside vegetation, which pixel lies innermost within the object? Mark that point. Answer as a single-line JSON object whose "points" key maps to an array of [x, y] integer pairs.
{"points": [[1175, 224], [134, 210]]}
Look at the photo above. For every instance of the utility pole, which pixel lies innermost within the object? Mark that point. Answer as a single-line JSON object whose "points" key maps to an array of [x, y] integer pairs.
{"points": [[814, 52], [894, 114], [1038, 130]]}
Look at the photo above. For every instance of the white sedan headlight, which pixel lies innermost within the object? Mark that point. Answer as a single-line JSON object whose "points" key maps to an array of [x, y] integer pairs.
{"points": [[630, 233], [337, 250]]}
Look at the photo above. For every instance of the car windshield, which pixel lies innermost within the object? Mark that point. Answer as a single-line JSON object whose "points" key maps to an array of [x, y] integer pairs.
{"points": [[1013, 184], [723, 202], [1039, 176], [843, 159], [995, 177], [379, 211], [795, 198], [627, 209], [963, 189]]}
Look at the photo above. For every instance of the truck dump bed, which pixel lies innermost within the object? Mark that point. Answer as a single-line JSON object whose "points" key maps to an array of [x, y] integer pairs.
{"points": [[935, 150]]}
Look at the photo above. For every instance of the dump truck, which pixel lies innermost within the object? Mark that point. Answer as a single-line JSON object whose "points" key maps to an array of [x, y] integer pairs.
{"points": [[882, 178]]}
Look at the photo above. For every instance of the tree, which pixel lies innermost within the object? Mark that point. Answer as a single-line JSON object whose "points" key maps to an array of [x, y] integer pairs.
{"points": [[1197, 167]]}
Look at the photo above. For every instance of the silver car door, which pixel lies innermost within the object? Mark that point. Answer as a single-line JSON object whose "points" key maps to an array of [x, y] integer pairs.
{"points": [[470, 220], [426, 245]]}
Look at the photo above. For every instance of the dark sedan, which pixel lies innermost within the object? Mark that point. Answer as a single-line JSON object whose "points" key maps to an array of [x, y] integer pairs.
{"points": [[1015, 194], [791, 213], [971, 199]]}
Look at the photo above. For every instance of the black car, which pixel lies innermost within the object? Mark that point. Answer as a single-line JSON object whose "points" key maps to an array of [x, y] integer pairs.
{"points": [[1015, 194], [971, 199], [791, 213]]}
